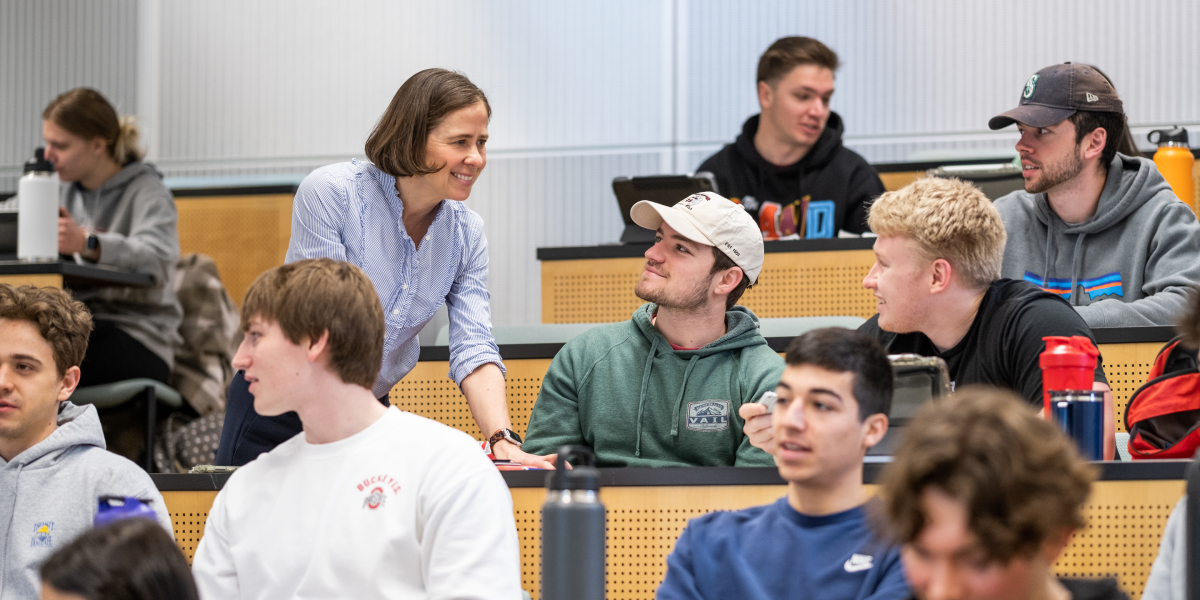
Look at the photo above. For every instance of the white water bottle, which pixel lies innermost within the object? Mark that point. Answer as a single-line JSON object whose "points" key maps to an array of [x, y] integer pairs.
{"points": [[37, 211]]}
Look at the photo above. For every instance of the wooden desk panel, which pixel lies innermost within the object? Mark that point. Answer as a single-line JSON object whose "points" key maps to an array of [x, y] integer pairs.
{"points": [[48, 280], [792, 284], [1125, 523], [244, 235]]}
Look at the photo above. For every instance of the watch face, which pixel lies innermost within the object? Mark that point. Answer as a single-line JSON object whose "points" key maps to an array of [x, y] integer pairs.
{"points": [[512, 434], [92, 241]]}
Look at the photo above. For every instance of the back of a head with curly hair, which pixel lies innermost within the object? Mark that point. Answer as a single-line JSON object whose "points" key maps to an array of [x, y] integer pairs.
{"points": [[946, 218], [1020, 480], [63, 321]]}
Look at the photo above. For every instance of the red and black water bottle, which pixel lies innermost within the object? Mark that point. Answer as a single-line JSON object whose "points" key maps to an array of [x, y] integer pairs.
{"points": [[1068, 363]]}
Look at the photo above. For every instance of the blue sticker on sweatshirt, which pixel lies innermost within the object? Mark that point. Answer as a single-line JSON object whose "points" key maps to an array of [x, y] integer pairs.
{"points": [[41, 535], [708, 415], [1104, 285]]}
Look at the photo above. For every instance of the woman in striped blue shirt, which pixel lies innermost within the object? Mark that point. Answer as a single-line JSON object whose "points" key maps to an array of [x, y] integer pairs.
{"points": [[401, 219]]}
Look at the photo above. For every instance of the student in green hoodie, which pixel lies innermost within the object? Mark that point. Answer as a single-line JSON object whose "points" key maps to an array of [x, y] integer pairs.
{"points": [[663, 389]]}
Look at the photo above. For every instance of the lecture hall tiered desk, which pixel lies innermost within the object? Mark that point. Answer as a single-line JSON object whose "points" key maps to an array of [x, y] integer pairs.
{"points": [[246, 231]]}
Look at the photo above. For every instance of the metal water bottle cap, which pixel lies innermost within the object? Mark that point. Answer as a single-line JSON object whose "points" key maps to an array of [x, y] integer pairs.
{"points": [[39, 164], [1176, 136], [584, 475]]}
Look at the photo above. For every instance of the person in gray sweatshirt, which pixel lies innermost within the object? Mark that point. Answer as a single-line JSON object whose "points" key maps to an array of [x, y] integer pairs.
{"points": [[53, 462], [1100, 229], [116, 212]]}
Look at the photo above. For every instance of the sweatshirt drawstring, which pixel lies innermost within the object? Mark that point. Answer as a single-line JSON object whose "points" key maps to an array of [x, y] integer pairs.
{"points": [[679, 400], [637, 447], [1076, 263], [1046, 267]]}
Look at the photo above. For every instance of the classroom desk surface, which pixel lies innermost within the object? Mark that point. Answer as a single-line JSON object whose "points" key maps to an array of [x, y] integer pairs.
{"points": [[69, 274], [648, 509]]}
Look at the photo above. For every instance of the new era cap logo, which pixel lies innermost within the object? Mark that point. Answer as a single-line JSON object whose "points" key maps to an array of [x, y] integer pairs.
{"points": [[1092, 97], [858, 562]]}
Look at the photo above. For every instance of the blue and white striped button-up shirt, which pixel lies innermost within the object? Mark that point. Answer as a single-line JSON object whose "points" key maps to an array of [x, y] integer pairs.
{"points": [[351, 212]]}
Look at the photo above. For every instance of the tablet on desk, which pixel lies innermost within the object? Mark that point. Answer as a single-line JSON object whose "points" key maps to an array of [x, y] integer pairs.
{"points": [[663, 189]]}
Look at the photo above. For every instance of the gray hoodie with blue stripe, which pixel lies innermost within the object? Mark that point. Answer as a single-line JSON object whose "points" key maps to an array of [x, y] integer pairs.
{"points": [[49, 495], [1129, 265]]}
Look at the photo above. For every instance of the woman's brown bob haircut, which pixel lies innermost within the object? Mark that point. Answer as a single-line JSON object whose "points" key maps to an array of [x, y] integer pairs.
{"points": [[397, 145], [63, 321], [1020, 479], [86, 113], [310, 297]]}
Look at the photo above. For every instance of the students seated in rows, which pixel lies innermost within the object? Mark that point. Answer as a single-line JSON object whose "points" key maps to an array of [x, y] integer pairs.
{"points": [[834, 398], [984, 496], [53, 465], [663, 389], [366, 502], [792, 151], [1102, 230], [937, 281]]}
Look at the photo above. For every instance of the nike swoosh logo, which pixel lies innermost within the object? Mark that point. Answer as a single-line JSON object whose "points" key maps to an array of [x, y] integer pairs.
{"points": [[858, 562]]}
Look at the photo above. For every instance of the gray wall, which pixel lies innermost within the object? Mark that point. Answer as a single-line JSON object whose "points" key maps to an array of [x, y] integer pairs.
{"points": [[581, 91]]}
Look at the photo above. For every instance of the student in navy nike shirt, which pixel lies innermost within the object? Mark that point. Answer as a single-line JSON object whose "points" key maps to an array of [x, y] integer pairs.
{"points": [[834, 398]]}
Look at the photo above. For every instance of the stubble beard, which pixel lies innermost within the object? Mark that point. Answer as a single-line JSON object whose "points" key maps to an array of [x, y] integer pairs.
{"points": [[690, 300], [1057, 173]]}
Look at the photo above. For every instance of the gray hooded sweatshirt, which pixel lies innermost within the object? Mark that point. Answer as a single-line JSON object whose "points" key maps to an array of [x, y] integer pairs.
{"points": [[1129, 265], [49, 493], [133, 215]]}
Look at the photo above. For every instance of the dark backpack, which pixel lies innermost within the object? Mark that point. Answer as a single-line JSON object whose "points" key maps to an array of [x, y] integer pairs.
{"points": [[1163, 416]]}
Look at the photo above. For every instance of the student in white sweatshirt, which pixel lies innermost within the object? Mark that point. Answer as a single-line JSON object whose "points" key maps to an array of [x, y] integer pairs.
{"points": [[366, 502]]}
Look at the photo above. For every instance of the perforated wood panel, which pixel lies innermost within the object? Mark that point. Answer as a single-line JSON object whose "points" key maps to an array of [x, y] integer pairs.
{"points": [[813, 284], [189, 512], [54, 281], [1125, 525], [895, 181], [244, 235], [428, 391], [792, 284], [1126, 366]]}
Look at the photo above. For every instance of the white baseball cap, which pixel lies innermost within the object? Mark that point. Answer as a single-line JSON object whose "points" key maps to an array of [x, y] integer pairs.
{"points": [[710, 219]]}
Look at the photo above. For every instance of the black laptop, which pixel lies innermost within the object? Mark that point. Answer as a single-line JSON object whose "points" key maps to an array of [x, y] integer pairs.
{"points": [[663, 189]]}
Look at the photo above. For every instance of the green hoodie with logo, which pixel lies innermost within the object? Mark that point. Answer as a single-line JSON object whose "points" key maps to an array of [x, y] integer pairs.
{"points": [[621, 390]]}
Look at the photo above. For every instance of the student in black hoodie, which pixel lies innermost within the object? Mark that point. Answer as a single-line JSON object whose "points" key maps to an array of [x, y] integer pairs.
{"points": [[791, 153]]}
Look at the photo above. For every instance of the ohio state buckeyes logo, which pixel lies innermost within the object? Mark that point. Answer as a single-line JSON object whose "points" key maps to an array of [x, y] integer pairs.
{"points": [[375, 500], [377, 487]]}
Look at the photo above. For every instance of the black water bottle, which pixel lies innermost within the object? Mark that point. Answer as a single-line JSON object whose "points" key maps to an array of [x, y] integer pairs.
{"points": [[573, 529]]}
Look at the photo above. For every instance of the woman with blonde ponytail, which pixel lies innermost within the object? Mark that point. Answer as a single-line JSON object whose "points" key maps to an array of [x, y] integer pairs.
{"points": [[115, 211]]}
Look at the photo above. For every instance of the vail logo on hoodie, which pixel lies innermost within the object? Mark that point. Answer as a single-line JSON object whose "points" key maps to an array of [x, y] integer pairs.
{"points": [[41, 535], [708, 415], [1104, 285]]}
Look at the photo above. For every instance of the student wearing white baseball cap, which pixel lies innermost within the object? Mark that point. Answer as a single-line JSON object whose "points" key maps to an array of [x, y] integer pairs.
{"points": [[664, 388]]}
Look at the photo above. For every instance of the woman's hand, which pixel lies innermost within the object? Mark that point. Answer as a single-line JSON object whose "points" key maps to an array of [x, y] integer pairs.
{"points": [[71, 237], [505, 450]]}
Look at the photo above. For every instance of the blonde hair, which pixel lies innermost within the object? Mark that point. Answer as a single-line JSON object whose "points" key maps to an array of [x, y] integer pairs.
{"points": [[946, 218], [87, 113]]}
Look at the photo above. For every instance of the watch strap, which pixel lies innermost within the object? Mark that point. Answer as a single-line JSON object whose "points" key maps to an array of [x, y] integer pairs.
{"points": [[505, 434]]}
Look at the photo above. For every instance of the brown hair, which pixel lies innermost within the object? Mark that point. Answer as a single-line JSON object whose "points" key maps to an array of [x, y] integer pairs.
{"points": [[310, 297], [723, 262], [1019, 478], [130, 559], [63, 321], [791, 52], [86, 113], [397, 145], [946, 218]]}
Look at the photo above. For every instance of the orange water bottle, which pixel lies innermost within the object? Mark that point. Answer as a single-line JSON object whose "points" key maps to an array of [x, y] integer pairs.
{"points": [[1174, 160]]}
